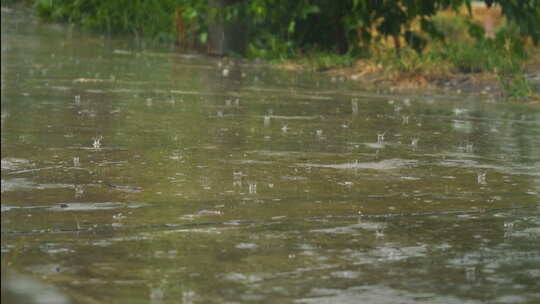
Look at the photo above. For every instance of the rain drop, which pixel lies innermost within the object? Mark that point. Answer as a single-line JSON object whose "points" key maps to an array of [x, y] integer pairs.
{"points": [[380, 138], [97, 142], [481, 178]]}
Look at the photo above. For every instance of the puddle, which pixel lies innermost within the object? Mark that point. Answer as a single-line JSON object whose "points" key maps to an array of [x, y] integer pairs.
{"points": [[171, 180]]}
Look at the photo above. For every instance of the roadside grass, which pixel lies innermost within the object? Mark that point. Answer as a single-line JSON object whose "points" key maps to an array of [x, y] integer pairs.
{"points": [[323, 61], [465, 53]]}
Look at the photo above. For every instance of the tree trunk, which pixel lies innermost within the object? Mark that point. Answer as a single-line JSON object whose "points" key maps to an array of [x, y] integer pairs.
{"points": [[225, 37]]}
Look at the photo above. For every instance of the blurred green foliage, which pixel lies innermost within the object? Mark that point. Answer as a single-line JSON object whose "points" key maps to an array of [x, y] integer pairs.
{"points": [[347, 26], [142, 18], [282, 29]]}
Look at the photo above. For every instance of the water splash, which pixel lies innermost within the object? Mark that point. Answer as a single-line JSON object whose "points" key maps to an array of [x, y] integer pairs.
{"points": [[354, 105], [380, 138], [237, 179], [97, 142], [459, 111], [407, 102], [79, 191], [252, 188], [470, 274], [469, 147], [481, 178], [405, 119]]}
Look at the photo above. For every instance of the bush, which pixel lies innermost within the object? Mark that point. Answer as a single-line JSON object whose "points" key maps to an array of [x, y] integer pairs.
{"points": [[150, 19]]}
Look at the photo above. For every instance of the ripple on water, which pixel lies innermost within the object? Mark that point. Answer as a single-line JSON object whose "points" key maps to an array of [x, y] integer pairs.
{"points": [[510, 299], [399, 253], [13, 184], [5, 208], [52, 248], [50, 269], [386, 253], [94, 206], [239, 277], [351, 229], [11, 163], [376, 294], [386, 164], [374, 145], [461, 162], [246, 246], [346, 274]]}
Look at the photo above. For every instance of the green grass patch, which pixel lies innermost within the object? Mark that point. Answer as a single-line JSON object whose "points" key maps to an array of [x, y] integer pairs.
{"points": [[322, 61], [465, 50]]}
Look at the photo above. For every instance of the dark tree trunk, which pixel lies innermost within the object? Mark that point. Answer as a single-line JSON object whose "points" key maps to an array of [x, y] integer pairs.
{"points": [[341, 40], [225, 37]]}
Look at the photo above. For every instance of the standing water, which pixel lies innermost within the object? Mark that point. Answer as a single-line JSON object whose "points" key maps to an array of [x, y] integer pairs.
{"points": [[134, 175]]}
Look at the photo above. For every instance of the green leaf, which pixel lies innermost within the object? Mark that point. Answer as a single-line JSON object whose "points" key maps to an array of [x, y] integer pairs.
{"points": [[476, 31], [291, 27], [430, 28], [310, 9], [203, 37]]}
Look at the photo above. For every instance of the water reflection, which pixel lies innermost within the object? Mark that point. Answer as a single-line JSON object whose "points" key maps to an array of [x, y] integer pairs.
{"points": [[163, 177]]}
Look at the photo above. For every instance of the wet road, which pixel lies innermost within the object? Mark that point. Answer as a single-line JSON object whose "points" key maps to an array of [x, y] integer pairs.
{"points": [[136, 174]]}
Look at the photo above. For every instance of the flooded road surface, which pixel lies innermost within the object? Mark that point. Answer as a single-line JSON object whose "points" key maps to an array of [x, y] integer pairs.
{"points": [[141, 175]]}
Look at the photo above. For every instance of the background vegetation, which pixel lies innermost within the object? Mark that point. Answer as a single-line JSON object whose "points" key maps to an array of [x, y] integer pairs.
{"points": [[405, 36]]}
